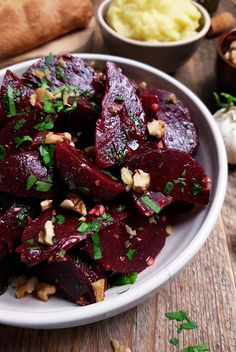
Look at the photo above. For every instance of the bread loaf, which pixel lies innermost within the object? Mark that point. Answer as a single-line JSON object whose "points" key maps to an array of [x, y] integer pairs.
{"points": [[26, 24]]}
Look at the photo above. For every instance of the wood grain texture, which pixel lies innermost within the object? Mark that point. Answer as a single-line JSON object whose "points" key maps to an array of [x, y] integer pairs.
{"points": [[206, 288]]}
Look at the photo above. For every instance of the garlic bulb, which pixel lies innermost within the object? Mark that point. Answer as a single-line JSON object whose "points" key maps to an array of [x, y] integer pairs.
{"points": [[226, 121]]}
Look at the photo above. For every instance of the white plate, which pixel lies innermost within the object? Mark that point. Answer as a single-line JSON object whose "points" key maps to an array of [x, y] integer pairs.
{"points": [[190, 232]]}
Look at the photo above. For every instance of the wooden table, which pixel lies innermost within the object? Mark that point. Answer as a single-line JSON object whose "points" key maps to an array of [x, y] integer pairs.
{"points": [[205, 289]]}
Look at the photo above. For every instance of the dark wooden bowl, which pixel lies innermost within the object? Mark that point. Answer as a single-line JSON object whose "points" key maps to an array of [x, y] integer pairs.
{"points": [[226, 70]]}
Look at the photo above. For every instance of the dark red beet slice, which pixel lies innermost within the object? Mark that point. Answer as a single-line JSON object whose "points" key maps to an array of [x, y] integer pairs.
{"points": [[160, 200], [77, 171], [124, 253], [15, 97], [77, 286], [17, 173], [121, 125], [66, 236], [174, 173], [67, 233], [58, 71], [181, 132], [23, 125], [12, 224]]}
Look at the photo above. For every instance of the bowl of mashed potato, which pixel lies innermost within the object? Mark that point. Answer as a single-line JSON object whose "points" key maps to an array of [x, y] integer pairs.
{"points": [[162, 33]]}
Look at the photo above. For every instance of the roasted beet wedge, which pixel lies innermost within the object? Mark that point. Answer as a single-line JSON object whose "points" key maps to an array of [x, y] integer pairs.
{"points": [[68, 230], [66, 235], [58, 71], [174, 173], [181, 132], [150, 203], [128, 246], [23, 175], [74, 280], [12, 223], [22, 129], [121, 126], [77, 172], [14, 97]]}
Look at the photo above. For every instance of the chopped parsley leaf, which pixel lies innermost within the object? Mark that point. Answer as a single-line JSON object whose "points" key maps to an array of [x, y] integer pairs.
{"points": [[121, 207], [19, 124], [168, 187], [30, 241], [106, 217], [47, 124], [151, 204], [20, 217], [97, 253], [31, 180], [11, 101], [86, 227], [60, 73], [43, 186], [2, 153], [60, 219], [196, 348], [135, 119], [83, 190], [178, 315], [49, 59], [196, 187], [130, 253], [19, 140], [109, 174], [121, 280], [174, 341], [47, 153]]}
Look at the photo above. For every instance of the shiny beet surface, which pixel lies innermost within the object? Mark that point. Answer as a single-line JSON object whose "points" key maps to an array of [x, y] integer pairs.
{"points": [[65, 144]]}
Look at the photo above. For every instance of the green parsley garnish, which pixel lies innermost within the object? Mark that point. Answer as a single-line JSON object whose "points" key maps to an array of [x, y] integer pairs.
{"points": [[60, 219], [83, 190], [86, 227], [135, 119], [151, 204], [189, 325], [43, 186], [196, 348], [31, 180], [119, 98], [19, 140], [109, 174], [20, 217], [121, 280], [168, 187], [196, 187], [60, 73], [178, 315], [121, 207], [30, 241], [48, 105], [174, 341], [19, 124], [97, 253], [2, 153], [86, 94], [49, 59], [47, 124], [11, 101], [106, 217], [130, 253], [47, 153]]}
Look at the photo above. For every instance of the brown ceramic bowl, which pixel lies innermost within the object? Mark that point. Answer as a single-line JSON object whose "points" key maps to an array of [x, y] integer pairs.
{"points": [[226, 70]]}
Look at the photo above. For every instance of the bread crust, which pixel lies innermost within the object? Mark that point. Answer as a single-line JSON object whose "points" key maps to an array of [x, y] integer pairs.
{"points": [[26, 24]]}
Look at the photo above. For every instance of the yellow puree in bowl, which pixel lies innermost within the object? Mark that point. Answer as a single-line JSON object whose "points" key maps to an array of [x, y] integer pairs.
{"points": [[154, 20]]}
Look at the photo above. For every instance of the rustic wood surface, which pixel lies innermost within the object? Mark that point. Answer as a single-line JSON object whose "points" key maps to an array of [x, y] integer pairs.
{"points": [[206, 288]]}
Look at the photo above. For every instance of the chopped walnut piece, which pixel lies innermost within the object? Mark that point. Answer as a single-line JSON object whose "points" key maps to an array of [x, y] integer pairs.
{"points": [[41, 93], [141, 181], [44, 290], [172, 99], [62, 63], [39, 74], [99, 289], [130, 231], [75, 203], [169, 230], [46, 235], [24, 285], [46, 204], [33, 99], [143, 85], [52, 138], [118, 347], [156, 128], [127, 178]]}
